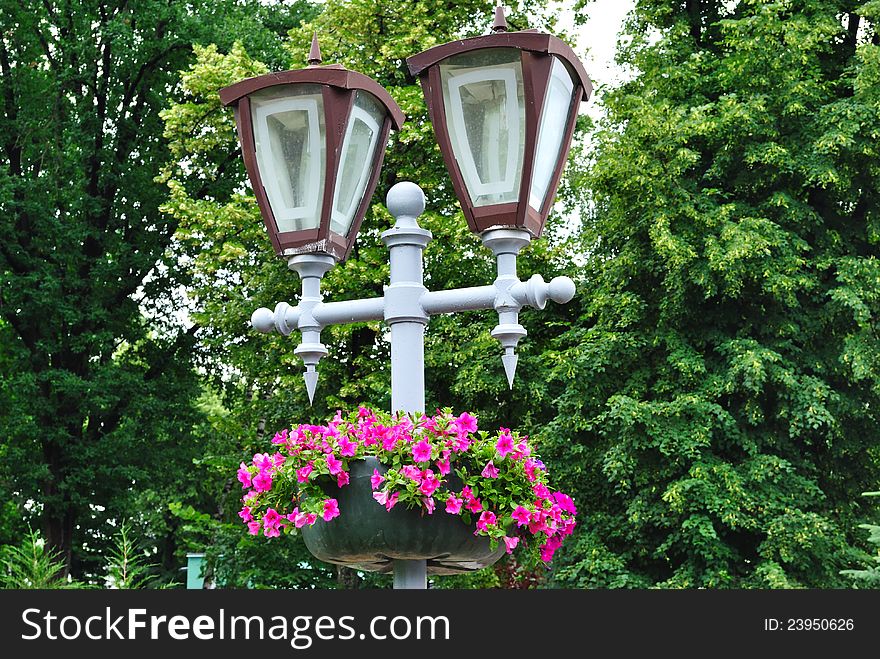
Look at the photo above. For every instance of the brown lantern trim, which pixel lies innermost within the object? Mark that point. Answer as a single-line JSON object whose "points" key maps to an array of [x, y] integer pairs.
{"points": [[535, 51], [338, 89]]}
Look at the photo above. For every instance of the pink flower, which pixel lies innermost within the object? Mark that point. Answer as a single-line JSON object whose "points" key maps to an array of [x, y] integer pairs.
{"points": [[389, 441], [246, 514], [262, 461], [486, 520], [271, 518], [466, 423], [342, 478], [474, 505], [376, 479], [302, 474], [443, 466], [429, 483], [461, 443], [244, 476], [271, 532], [386, 499], [453, 505], [504, 445], [565, 502], [412, 472], [541, 491], [521, 515], [429, 504], [522, 450], [391, 502], [331, 509], [511, 544], [549, 548], [254, 526], [334, 465], [347, 448], [278, 460], [489, 471], [280, 437], [530, 469], [422, 451], [262, 482], [300, 520]]}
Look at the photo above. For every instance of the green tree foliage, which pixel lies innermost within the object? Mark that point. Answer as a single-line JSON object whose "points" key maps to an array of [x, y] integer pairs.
{"points": [[32, 565], [97, 389], [234, 271], [718, 399], [870, 576]]}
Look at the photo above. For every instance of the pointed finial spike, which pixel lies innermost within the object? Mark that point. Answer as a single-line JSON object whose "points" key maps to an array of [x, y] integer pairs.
{"points": [[509, 359], [315, 51], [311, 379], [500, 23]]}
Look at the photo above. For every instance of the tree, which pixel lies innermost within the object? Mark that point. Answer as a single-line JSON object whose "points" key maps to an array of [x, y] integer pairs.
{"points": [[98, 391], [718, 399], [234, 270]]}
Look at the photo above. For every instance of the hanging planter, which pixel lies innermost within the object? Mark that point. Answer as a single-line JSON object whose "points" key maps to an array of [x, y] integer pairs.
{"points": [[368, 537], [373, 488]]}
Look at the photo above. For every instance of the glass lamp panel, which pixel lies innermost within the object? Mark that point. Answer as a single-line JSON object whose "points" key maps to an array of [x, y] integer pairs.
{"points": [[486, 120], [555, 116], [357, 159], [289, 136]]}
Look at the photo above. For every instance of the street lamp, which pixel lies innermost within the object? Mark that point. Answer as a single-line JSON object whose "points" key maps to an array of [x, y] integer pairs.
{"points": [[503, 108], [313, 141]]}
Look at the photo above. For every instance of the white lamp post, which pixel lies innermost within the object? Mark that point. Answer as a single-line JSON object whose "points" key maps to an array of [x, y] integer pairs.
{"points": [[503, 108]]}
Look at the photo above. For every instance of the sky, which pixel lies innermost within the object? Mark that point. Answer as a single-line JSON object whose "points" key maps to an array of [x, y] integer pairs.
{"points": [[595, 41]]}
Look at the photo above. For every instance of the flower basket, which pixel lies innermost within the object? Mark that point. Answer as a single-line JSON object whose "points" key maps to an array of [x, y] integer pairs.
{"points": [[374, 488], [367, 537]]}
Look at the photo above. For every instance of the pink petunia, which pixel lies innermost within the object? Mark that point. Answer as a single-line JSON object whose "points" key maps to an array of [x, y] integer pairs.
{"points": [[504, 445], [511, 543], [376, 479], [429, 483], [334, 465], [391, 502], [565, 502], [429, 504], [486, 520], [489, 471], [302, 474], [421, 451], [262, 461], [331, 509], [521, 515], [271, 532], [244, 476], [453, 505], [381, 497], [466, 423], [541, 491], [443, 465], [262, 482], [342, 478], [412, 472], [474, 505], [347, 448], [246, 514], [254, 526], [271, 518]]}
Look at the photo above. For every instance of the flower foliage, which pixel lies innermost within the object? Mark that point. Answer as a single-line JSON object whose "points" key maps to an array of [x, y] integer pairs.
{"points": [[441, 464]]}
